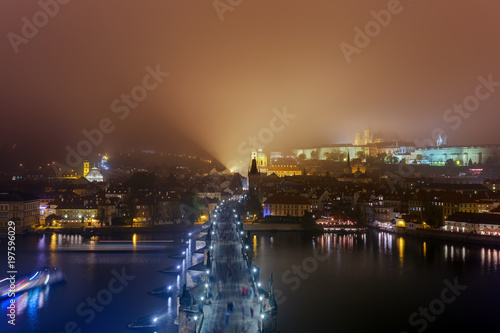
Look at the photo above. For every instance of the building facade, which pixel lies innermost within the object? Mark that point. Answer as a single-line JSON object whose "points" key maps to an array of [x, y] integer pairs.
{"points": [[23, 209], [286, 205]]}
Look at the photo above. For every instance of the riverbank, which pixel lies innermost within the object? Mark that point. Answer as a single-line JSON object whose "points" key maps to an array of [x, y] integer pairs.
{"points": [[450, 236], [111, 230], [280, 227]]}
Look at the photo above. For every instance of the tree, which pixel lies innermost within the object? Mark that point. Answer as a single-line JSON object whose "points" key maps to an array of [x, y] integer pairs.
{"points": [[307, 219], [381, 157], [129, 208], [315, 154], [334, 155], [449, 162], [418, 159], [302, 156], [102, 216], [192, 206], [361, 155]]}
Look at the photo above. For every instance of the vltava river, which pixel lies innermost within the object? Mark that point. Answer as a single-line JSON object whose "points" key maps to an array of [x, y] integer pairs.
{"points": [[376, 282], [380, 282]]}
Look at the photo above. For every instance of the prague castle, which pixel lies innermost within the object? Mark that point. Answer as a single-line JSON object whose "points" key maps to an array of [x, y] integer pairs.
{"points": [[365, 145]]}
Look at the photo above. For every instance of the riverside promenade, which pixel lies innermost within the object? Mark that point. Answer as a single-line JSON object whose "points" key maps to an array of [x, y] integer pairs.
{"points": [[230, 309]]}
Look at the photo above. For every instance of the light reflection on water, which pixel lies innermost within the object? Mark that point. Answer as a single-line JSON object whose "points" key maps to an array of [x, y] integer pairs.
{"points": [[401, 250], [361, 272], [489, 259], [40, 310]]}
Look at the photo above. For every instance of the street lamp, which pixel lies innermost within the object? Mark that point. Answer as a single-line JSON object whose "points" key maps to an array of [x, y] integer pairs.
{"points": [[261, 320]]}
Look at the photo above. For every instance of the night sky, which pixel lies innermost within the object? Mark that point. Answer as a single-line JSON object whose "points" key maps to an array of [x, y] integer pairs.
{"points": [[228, 69]]}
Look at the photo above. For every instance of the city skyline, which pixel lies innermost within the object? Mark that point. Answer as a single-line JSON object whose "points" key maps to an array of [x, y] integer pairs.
{"points": [[207, 78]]}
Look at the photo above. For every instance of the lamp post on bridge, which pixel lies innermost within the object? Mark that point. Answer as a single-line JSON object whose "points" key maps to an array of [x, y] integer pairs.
{"points": [[207, 281]]}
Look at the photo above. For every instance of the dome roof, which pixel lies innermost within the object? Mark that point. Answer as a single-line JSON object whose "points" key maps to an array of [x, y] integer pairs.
{"points": [[94, 175]]}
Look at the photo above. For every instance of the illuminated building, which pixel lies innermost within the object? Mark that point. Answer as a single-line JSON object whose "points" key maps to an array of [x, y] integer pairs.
{"points": [[86, 168], [74, 213], [260, 158], [477, 223], [437, 155], [94, 175], [277, 165], [207, 191], [364, 137], [283, 170], [21, 208], [286, 205], [104, 162]]}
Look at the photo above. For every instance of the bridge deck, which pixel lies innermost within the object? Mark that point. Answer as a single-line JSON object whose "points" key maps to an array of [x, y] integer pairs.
{"points": [[231, 275]]}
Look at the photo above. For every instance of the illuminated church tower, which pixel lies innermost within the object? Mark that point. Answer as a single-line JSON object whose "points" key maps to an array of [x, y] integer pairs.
{"points": [[86, 168], [260, 157]]}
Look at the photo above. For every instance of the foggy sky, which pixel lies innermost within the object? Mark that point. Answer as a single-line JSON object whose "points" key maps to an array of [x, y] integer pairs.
{"points": [[226, 77]]}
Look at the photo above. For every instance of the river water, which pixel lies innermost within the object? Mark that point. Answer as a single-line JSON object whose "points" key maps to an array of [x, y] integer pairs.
{"points": [[377, 282]]}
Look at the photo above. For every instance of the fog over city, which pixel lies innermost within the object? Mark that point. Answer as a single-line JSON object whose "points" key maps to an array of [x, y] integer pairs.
{"points": [[290, 73]]}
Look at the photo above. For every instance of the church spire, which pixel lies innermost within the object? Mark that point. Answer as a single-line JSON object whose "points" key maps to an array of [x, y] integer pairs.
{"points": [[253, 169]]}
